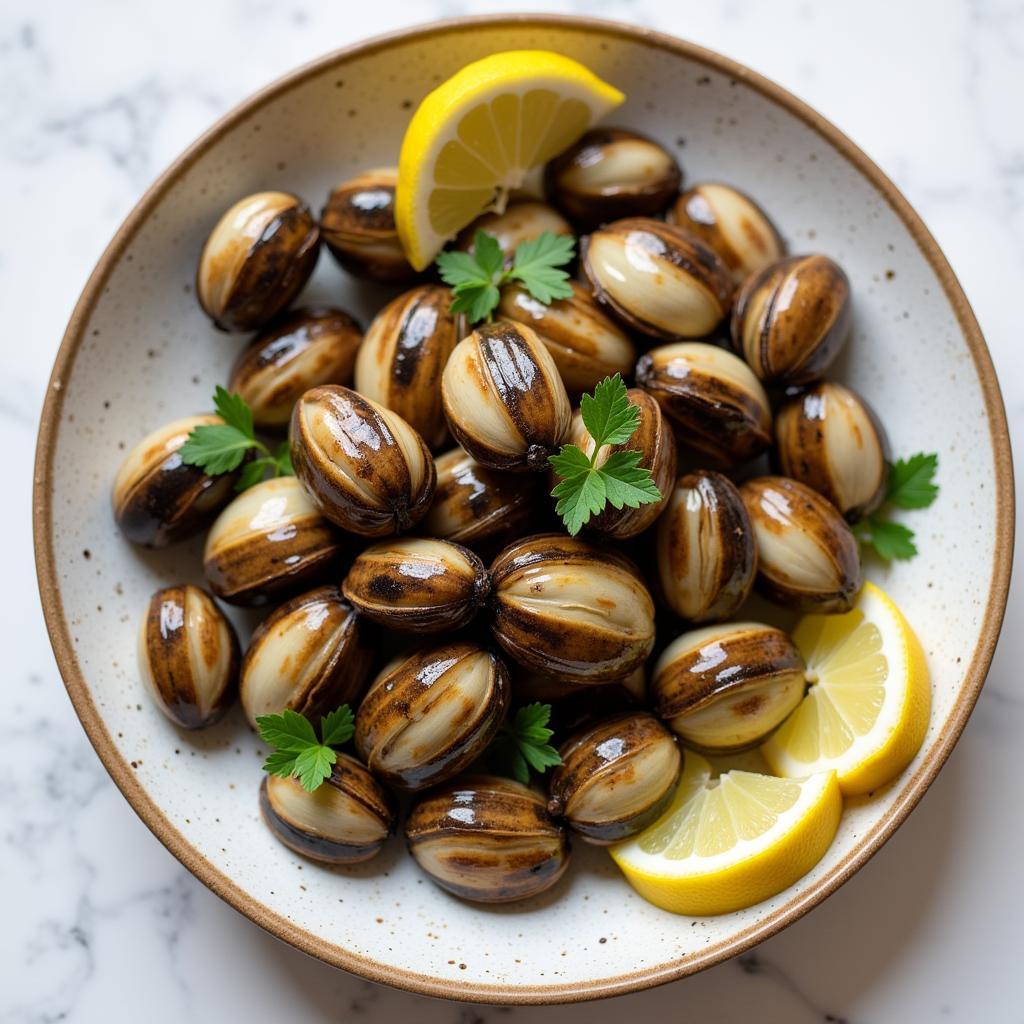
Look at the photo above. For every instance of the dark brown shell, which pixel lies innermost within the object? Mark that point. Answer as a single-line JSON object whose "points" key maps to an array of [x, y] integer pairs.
{"points": [[298, 351], [479, 506], [487, 839], [422, 585], [345, 820], [830, 439], [792, 318], [404, 354], [504, 398], [256, 260], [364, 466], [654, 440], [311, 655], [790, 519], [188, 656], [156, 498], [585, 344], [611, 173], [732, 224], [657, 279], [616, 777], [428, 716], [570, 609], [358, 227], [706, 551], [268, 543], [716, 403], [725, 688]]}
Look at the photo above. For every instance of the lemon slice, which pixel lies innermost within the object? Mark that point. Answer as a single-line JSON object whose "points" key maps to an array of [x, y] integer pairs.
{"points": [[866, 712], [478, 135], [726, 843]]}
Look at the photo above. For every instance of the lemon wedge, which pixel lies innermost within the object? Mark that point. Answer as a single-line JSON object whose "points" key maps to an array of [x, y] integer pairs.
{"points": [[478, 135], [866, 712], [729, 842]]}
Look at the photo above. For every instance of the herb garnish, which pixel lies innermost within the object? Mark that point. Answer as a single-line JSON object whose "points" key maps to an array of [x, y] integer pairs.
{"points": [[522, 744], [220, 448], [585, 487], [298, 751], [476, 278], [910, 486]]}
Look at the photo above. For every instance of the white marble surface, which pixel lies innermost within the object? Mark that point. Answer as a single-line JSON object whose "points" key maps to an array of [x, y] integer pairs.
{"points": [[95, 99]]}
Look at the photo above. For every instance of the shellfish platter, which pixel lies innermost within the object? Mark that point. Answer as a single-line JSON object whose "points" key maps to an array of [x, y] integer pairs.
{"points": [[568, 545]]}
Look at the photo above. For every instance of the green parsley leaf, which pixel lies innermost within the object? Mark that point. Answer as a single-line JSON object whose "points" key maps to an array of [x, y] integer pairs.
{"points": [[608, 414], [218, 448], [585, 487], [476, 278], [337, 727], [299, 753], [910, 481], [522, 744], [538, 263], [232, 409], [910, 486]]}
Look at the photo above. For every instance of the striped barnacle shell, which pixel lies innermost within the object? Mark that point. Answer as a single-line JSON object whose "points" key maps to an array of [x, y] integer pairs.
{"points": [[616, 777], [364, 466], [269, 542], [807, 557], [657, 279], [731, 224], [520, 222], [428, 716], [403, 356], [585, 344], [346, 819], [298, 351], [792, 318], [311, 655], [504, 398], [358, 227], [717, 404], [256, 260], [188, 656], [157, 499], [725, 688], [571, 610], [487, 839], [830, 439], [421, 585], [478, 506], [706, 551], [611, 173], [654, 439]]}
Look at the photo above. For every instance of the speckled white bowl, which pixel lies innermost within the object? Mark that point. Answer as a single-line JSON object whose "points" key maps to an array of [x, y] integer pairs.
{"points": [[138, 351]]}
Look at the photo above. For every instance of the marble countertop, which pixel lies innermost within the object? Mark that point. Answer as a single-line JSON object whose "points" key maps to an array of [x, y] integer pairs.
{"points": [[95, 100]]}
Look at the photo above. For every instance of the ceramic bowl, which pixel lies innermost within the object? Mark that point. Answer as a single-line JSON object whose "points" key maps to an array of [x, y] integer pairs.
{"points": [[139, 351]]}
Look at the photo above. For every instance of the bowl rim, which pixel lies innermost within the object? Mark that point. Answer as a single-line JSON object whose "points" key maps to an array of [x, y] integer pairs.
{"points": [[912, 789]]}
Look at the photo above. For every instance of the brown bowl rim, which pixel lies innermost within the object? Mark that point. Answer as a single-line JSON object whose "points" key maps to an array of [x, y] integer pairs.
{"points": [[912, 789]]}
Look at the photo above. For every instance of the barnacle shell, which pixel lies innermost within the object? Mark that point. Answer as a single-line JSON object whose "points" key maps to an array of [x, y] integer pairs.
{"points": [[807, 555], [487, 839], [256, 260], [188, 656], [726, 687], [365, 467]]}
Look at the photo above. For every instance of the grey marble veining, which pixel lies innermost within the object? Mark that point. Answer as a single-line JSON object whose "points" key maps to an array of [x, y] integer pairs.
{"points": [[95, 99]]}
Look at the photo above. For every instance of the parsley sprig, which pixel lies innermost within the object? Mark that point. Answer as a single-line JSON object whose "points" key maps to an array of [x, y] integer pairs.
{"points": [[586, 487], [911, 485], [298, 751], [476, 278], [522, 744], [220, 447]]}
